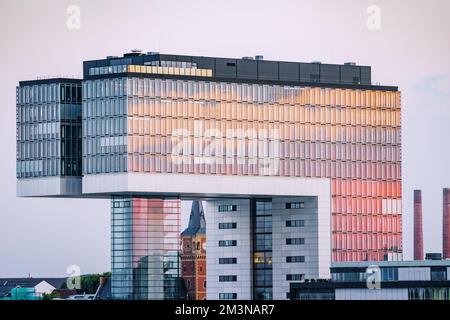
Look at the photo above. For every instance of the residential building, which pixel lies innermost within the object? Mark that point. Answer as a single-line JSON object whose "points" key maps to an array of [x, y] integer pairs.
{"points": [[28, 288]]}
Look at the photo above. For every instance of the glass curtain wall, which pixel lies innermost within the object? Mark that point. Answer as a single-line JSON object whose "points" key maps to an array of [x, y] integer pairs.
{"points": [[262, 249], [146, 263], [351, 136]]}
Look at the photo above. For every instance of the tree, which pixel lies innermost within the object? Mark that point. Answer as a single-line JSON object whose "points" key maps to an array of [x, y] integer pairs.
{"points": [[51, 296], [90, 282]]}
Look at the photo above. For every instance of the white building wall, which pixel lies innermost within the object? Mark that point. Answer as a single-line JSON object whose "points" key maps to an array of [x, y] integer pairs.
{"points": [[44, 287], [232, 186], [372, 294], [48, 187], [204, 185], [414, 274], [310, 250], [243, 251]]}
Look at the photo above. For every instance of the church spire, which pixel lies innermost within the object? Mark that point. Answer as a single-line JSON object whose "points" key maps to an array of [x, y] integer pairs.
{"points": [[197, 222]]}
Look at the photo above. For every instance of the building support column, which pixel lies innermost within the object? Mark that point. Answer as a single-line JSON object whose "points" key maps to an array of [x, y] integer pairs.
{"points": [[145, 240]]}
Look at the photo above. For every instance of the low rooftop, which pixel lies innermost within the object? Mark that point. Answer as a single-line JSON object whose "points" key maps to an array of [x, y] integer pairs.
{"points": [[400, 264]]}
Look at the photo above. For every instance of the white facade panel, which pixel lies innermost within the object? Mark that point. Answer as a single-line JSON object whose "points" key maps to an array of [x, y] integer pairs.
{"points": [[202, 184], [242, 251], [49, 187], [316, 262], [372, 294], [414, 274]]}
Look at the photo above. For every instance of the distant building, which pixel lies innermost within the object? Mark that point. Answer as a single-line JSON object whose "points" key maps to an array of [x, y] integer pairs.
{"points": [[433, 256], [63, 294], [193, 256], [28, 288], [386, 280]]}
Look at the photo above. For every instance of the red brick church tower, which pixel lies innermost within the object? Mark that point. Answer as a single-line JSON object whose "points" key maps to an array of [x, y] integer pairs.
{"points": [[193, 253]]}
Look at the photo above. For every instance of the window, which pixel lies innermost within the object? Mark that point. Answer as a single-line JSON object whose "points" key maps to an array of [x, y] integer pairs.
{"points": [[295, 205], [295, 223], [227, 243], [231, 64], [228, 225], [227, 208], [438, 273], [295, 241], [295, 277], [295, 259], [231, 278], [227, 296], [389, 274], [227, 260], [263, 242]]}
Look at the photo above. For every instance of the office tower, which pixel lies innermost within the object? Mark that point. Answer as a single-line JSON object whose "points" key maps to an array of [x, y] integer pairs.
{"points": [[193, 253], [446, 224], [418, 229], [258, 136], [48, 141]]}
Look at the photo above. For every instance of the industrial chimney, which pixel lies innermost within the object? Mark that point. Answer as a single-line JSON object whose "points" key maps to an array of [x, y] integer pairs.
{"points": [[418, 227], [446, 224]]}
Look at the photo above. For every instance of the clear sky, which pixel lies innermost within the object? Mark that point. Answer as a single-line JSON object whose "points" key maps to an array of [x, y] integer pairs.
{"points": [[411, 49]]}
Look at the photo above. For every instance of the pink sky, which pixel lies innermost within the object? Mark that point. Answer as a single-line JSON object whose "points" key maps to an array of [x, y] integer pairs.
{"points": [[411, 50]]}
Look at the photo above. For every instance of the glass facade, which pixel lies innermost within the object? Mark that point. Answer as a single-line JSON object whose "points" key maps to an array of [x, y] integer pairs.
{"points": [[105, 134], [429, 294], [262, 249], [351, 136], [145, 237], [48, 118], [180, 71]]}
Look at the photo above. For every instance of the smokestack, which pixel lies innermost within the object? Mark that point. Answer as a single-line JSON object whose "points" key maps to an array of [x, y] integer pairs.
{"points": [[446, 224], [418, 228]]}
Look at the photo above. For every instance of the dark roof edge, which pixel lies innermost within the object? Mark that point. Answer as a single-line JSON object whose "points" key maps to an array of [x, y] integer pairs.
{"points": [[249, 81], [49, 81], [222, 58]]}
